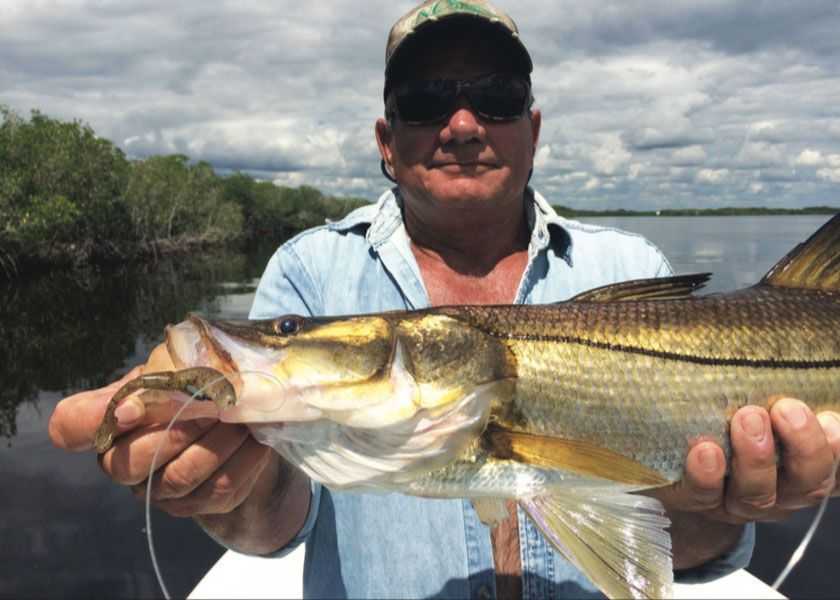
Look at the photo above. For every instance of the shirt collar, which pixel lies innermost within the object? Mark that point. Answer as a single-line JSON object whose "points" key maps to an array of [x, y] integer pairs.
{"points": [[384, 218]]}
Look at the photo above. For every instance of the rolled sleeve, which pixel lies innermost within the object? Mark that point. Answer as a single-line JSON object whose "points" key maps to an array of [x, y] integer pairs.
{"points": [[737, 558]]}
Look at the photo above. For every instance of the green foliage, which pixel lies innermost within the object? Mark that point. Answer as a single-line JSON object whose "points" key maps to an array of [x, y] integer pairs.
{"points": [[48, 218], [168, 198], [281, 210], [59, 182], [67, 196]]}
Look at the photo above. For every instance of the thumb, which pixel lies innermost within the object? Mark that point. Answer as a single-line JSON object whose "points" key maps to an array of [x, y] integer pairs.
{"points": [[702, 485], [76, 418]]}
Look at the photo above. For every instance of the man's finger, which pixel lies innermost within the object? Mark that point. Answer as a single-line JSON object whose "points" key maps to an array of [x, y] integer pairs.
{"points": [[807, 458], [227, 488], [830, 422], [751, 491], [198, 462], [701, 488], [129, 461]]}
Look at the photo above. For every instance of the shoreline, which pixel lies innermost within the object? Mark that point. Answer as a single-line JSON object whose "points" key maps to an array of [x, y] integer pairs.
{"points": [[17, 264], [573, 213]]}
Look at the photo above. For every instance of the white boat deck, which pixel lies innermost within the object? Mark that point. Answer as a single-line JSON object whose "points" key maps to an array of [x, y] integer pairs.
{"points": [[240, 576]]}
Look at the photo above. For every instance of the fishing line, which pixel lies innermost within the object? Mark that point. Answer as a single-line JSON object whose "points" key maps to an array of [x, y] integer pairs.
{"points": [[152, 467], [806, 540]]}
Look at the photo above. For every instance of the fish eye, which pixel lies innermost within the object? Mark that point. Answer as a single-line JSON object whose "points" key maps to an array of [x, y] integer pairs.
{"points": [[287, 326]]}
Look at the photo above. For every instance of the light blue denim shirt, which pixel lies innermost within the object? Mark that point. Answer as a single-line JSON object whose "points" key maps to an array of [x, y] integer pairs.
{"points": [[391, 545]]}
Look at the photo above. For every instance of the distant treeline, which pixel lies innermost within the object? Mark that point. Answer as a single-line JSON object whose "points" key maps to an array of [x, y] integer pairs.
{"points": [[68, 197], [565, 211]]}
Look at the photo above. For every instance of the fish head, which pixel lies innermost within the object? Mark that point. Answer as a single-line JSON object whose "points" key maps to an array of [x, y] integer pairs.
{"points": [[363, 371]]}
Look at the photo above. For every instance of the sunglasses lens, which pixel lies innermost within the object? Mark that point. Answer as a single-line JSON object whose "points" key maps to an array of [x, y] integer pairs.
{"points": [[494, 97], [499, 98], [425, 101]]}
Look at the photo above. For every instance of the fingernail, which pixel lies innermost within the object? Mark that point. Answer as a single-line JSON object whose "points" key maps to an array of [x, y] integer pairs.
{"points": [[794, 412], [128, 413], [708, 459], [753, 425], [831, 425]]}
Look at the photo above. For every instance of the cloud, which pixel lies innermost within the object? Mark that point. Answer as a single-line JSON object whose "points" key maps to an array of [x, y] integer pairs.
{"points": [[610, 155], [712, 176], [809, 158], [593, 183], [829, 174], [760, 154], [645, 104], [688, 156]]}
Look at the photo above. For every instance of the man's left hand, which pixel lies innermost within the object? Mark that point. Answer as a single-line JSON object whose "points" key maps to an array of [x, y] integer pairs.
{"points": [[708, 510]]}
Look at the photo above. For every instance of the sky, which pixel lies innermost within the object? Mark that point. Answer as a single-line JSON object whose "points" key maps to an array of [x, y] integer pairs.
{"points": [[646, 104]]}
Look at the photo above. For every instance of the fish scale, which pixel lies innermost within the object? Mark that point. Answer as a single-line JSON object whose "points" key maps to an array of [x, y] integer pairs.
{"points": [[757, 324]]}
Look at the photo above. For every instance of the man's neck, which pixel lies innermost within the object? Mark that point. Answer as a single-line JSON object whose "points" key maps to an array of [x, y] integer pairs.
{"points": [[469, 242]]}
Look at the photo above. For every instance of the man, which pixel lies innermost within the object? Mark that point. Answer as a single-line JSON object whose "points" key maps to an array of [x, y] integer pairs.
{"points": [[460, 227]]}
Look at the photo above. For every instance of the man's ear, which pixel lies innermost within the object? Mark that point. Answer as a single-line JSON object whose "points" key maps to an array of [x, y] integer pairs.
{"points": [[384, 139], [536, 123]]}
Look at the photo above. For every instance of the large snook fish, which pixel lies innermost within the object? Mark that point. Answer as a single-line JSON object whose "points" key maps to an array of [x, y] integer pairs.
{"points": [[567, 408]]}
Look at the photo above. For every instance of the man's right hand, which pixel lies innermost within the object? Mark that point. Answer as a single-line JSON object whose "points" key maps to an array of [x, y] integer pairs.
{"points": [[238, 489]]}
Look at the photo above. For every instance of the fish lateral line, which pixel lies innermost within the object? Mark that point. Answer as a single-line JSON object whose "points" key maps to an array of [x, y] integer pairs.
{"points": [[675, 356]]}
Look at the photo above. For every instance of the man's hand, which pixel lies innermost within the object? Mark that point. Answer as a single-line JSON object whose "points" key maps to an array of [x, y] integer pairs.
{"points": [[708, 511], [206, 469]]}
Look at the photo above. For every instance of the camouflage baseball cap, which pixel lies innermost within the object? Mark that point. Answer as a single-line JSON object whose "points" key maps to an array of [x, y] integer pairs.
{"points": [[423, 18]]}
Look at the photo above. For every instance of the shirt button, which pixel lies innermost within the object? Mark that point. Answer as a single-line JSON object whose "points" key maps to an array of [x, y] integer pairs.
{"points": [[484, 593]]}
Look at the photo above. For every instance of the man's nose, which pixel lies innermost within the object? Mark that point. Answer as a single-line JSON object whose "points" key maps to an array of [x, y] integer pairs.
{"points": [[463, 125]]}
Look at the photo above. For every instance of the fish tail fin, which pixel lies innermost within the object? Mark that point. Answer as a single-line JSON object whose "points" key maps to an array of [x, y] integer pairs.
{"points": [[619, 540], [813, 264]]}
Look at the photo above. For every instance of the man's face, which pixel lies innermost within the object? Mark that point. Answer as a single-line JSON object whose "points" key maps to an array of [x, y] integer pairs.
{"points": [[464, 159]]}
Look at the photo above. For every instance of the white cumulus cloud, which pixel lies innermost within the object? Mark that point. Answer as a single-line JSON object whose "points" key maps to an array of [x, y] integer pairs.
{"points": [[713, 176], [809, 158]]}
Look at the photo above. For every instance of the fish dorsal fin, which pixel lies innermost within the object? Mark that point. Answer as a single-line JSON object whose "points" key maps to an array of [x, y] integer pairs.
{"points": [[813, 264], [618, 540], [576, 456], [660, 288]]}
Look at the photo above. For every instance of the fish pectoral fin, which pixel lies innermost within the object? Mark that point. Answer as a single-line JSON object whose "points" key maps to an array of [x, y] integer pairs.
{"points": [[490, 511], [619, 540], [659, 288], [580, 457]]}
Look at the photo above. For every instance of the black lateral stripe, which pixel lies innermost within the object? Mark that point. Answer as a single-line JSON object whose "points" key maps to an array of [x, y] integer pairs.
{"points": [[701, 360]]}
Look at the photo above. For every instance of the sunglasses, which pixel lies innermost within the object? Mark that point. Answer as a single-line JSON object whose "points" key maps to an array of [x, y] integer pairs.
{"points": [[495, 97]]}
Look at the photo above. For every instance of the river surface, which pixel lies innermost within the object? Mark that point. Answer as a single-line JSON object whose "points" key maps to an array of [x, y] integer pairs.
{"points": [[67, 531]]}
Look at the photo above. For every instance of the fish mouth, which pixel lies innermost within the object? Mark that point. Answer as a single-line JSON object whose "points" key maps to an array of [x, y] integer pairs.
{"points": [[255, 370]]}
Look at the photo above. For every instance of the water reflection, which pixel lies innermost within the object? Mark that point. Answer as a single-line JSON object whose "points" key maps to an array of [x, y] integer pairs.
{"points": [[64, 522]]}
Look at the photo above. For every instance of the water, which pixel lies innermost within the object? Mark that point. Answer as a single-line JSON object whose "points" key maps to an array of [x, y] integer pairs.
{"points": [[66, 530]]}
